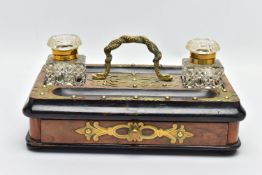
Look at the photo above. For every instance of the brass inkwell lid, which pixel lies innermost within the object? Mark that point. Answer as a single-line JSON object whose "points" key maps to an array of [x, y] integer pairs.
{"points": [[64, 46], [202, 51]]}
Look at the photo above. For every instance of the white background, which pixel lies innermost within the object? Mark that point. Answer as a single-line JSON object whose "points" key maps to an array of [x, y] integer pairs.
{"points": [[26, 25]]}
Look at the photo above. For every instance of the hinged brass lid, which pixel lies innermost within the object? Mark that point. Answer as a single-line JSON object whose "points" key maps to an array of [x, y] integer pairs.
{"points": [[202, 51], [64, 46]]}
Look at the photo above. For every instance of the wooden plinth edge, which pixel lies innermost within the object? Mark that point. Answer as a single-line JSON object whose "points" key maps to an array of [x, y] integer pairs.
{"points": [[233, 128], [35, 129]]}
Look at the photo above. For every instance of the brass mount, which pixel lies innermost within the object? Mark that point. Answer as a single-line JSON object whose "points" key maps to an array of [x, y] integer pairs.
{"points": [[66, 55]]}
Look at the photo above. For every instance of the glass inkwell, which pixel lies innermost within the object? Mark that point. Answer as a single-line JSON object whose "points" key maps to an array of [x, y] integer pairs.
{"points": [[202, 70], [65, 66]]}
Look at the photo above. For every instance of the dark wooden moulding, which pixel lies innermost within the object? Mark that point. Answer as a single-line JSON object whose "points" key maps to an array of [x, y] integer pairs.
{"points": [[215, 124]]}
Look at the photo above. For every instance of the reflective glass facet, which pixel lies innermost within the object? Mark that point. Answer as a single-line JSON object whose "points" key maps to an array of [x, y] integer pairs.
{"points": [[70, 73], [202, 76]]}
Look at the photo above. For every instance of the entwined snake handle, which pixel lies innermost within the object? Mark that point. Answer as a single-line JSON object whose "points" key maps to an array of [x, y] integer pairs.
{"points": [[132, 39]]}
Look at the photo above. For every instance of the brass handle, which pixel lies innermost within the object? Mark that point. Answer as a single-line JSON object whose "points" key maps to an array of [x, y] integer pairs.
{"points": [[132, 39]]}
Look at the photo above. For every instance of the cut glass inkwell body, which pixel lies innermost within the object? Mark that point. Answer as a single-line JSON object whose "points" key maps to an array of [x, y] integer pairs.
{"points": [[65, 66], [202, 70]]}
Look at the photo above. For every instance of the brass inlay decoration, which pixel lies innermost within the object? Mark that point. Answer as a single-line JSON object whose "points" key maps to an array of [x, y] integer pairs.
{"points": [[194, 98], [134, 132], [143, 81], [132, 39], [126, 80], [167, 98]]}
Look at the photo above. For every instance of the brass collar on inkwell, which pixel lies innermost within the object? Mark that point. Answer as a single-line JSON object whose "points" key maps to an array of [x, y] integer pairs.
{"points": [[202, 51], [64, 47]]}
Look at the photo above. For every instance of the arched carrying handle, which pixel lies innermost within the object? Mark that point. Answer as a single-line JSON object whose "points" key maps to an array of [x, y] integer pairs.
{"points": [[132, 39]]}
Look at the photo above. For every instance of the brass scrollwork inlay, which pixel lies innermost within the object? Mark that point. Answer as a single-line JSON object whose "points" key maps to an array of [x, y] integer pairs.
{"points": [[135, 132], [127, 80]]}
